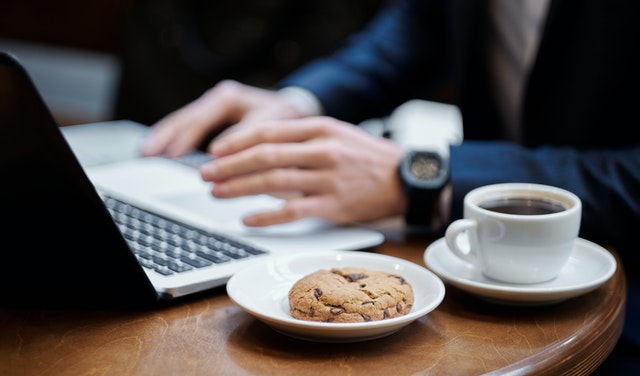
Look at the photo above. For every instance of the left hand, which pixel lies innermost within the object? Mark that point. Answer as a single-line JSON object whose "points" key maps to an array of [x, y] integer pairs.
{"points": [[337, 171]]}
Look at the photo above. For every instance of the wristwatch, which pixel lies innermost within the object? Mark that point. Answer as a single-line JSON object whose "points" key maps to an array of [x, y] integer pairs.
{"points": [[423, 174]]}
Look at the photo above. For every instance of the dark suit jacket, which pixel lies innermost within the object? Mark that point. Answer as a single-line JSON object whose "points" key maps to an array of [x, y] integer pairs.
{"points": [[580, 105]]}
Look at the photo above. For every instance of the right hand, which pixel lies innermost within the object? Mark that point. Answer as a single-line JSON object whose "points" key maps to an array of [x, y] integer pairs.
{"points": [[325, 167], [224, 107]]}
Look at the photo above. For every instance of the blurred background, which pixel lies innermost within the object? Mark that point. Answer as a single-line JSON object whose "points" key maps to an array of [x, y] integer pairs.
{"points": [[141, 59]]}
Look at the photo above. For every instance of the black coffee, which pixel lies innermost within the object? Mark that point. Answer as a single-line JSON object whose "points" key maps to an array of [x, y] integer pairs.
{"points": [[523, 206]]}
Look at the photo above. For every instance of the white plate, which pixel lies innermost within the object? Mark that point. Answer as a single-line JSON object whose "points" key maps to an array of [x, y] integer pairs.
{"points": [[262, 290], [589, 266]]}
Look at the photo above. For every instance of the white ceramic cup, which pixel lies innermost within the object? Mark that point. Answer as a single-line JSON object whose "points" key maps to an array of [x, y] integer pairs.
{"points": [[517, 248]]}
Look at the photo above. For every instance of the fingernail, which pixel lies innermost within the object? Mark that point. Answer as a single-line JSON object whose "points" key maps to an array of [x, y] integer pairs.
{"points": [[250, 221], [208, 170], [148, 148]]}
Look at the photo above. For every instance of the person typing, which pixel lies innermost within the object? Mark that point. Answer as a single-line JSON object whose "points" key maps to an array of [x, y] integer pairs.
{"points": [[552, 103]]}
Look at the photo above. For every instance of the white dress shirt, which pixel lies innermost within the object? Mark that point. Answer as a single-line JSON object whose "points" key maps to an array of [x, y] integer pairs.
{"points": [[518, 27]]}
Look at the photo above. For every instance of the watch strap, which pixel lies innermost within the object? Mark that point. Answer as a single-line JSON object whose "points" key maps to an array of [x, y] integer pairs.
{"points": [[421, 205]]}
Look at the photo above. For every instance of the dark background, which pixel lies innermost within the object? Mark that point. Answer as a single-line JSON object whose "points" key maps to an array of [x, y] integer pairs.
{"points": [[171, 51]]}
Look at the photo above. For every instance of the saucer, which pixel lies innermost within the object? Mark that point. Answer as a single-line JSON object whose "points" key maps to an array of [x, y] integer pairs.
{"points": [[262, 291], [589, 266]]}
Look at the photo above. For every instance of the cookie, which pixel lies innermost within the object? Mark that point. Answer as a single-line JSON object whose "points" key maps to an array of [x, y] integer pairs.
{"points": [[350, 294]]}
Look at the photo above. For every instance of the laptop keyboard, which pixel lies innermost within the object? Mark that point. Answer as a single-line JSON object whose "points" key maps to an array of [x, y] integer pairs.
{"points": [[170, 247], [194, 159]]}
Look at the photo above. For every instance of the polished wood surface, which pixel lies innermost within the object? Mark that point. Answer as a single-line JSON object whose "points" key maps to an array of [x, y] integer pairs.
{"points": [[210, 335]]}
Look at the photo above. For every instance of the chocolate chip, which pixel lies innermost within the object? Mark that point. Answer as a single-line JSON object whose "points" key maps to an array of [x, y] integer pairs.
{"points": [[365, 317], [353, 277], [386, 313], [398, 307], [337, 310], [317, 293], [368, 302]]}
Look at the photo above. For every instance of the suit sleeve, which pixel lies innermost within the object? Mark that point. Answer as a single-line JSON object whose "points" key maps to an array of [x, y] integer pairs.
{"points": [[379, 68], [607, 181]]}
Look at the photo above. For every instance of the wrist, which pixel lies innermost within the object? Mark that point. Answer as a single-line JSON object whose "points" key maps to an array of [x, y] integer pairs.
{"points": [[424, 175]]}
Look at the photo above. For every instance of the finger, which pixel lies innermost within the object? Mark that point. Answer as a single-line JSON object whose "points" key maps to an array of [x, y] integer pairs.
{"points": [[175, 135], [270, 156], [185, 129], [278, 131], [292, 210], [178, 133], [274, 182], [159, 137]]}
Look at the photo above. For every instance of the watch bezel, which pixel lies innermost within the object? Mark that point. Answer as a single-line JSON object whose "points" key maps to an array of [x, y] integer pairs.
{"points": [[412, 181]]}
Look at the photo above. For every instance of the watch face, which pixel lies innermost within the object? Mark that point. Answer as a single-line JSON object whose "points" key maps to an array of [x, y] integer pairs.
{"points": [[424, 167]]}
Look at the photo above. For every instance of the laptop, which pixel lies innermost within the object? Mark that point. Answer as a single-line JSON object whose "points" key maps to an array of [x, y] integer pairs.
{"points": [[87, 220]]}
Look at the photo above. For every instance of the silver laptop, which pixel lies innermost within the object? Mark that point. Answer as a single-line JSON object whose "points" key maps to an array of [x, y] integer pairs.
{"points": [[96, 224]]}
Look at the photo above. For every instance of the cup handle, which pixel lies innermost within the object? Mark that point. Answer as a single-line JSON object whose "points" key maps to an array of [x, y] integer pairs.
{"points": [[454, 238]]}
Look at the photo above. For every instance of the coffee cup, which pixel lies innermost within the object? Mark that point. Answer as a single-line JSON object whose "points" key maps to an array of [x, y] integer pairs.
{"points": [[516, 232]]}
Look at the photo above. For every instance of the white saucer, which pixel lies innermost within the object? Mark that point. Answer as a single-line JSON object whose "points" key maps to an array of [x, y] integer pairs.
{"points": [[589, 266], [262, 290]]}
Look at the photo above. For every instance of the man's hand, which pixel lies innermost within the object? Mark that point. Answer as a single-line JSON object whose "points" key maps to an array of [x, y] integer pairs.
{"points": [[229, 103], [328, 169]]}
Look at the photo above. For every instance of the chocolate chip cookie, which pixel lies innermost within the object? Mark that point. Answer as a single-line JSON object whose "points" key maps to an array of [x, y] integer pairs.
{"points": [[350, 294]]}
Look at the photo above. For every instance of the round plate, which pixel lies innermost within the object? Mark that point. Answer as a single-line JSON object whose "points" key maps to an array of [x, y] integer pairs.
{"points": [[589, 267], [262, 290]]}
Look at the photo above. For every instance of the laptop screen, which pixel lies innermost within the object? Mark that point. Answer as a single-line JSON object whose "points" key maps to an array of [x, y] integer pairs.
{"points": [[61, 245]]}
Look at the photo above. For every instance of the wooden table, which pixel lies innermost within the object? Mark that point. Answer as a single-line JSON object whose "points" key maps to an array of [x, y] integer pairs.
{"points": [[210, 335]]}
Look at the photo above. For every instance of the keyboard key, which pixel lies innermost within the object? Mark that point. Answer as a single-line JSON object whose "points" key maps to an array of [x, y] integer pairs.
{"points": [[168, 246]]}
